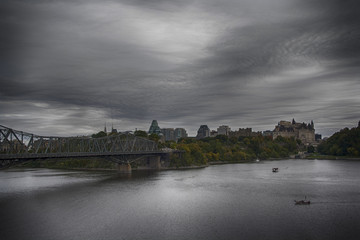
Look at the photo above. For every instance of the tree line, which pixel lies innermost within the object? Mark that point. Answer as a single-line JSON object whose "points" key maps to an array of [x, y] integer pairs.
{"points": [[224, 149], [346, 142]]}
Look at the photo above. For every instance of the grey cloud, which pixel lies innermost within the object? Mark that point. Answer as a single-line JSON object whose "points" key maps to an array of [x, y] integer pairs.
{"points": [[261, 61]]}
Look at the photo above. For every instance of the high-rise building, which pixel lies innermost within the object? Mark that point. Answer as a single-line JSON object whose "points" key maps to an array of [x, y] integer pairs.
{"points": [[203, 132], [169, 134], [180, 133], [154, 128]]}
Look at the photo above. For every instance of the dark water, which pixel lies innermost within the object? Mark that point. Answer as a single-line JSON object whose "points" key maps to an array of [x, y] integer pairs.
{"points": [[239, 201]]}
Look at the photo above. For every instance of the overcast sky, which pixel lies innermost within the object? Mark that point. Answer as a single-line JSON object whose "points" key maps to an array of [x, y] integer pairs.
{"points": [[69, 66]]}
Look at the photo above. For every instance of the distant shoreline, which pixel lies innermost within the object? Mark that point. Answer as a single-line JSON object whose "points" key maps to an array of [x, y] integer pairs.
{"points": [[320, 157]]}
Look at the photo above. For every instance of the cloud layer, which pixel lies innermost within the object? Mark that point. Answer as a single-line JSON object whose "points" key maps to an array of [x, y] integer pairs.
{"points": [[67, 67]]}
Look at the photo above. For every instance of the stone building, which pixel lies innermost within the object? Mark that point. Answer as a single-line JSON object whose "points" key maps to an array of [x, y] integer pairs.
{"points": [[244, 132], [267, 133], [223, 130], [213, 133], [304, 132], [203, 132]]}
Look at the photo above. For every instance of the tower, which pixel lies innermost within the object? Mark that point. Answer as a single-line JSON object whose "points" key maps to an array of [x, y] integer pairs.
{"points": [[154, 128]]}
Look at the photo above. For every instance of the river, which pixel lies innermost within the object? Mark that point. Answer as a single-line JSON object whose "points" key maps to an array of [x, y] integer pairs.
{"points": [[234, 201]]}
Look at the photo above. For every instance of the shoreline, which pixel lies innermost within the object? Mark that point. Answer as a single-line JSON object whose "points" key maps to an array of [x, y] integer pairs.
{"points": [[322, 157]]}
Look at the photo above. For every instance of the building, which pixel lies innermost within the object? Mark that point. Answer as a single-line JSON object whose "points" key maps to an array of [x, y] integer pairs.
{"points": [[180, 133], [203, 132], [267, 133], [304, 132], [223, 130], [317, 137], [244, 132], [113, 130], [169, 134], [154, 128], [213, 133]]}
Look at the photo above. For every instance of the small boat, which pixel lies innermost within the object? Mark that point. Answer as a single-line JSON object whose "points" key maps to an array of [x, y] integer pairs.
{"points": [[275, 169], [257, 160], [302, 202]]}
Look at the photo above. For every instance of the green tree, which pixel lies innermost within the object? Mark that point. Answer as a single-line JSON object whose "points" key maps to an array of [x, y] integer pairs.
{"points": [[99, 135], [310, 149], [154, 137], [140, 133]]}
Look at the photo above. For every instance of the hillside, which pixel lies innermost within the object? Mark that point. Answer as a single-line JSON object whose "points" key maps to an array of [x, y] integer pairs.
{"points": [[346, 142]]}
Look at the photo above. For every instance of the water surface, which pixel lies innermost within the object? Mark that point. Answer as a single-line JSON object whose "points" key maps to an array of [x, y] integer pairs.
{"points": [[237, 201]]}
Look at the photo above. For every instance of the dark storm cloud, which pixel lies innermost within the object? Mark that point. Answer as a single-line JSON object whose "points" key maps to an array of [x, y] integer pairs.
{"points": [[70, 66]]}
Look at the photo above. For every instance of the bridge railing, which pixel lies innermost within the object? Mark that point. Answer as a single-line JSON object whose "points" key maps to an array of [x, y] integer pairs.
{"points": [[18, 142]]}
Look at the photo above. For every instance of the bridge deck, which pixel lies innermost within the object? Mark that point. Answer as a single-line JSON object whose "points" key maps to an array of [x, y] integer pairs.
{"points": [[78, 154]]}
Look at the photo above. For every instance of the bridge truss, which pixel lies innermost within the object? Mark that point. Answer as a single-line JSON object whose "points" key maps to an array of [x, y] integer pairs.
{"points": [[21, 145]]}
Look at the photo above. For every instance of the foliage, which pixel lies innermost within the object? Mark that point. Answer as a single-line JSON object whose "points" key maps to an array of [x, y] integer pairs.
{"points": [[346, 142], [140, 133], [310, 149], [224, 149], [99, 135], [154, 137]]}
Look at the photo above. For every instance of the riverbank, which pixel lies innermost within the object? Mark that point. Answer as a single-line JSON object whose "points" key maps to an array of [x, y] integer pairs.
{"points": [[110, 167], [90, 166], [330, 157]]}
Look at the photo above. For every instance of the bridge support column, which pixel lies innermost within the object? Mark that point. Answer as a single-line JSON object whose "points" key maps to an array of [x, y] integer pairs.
{"points": [[155, 162], [124, 168]]}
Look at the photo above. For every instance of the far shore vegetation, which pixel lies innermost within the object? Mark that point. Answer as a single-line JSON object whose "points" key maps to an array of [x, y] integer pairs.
{"points": [[344, 144]]}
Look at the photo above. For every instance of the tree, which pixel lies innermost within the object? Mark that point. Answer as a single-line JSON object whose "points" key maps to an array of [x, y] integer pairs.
{"points": [[346, 142], [99, 135], [140, 133], [310, 149], [154, 137]]}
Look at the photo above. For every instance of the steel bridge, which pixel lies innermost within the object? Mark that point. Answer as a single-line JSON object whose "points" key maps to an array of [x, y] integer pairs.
{"points": [[120, 148]]}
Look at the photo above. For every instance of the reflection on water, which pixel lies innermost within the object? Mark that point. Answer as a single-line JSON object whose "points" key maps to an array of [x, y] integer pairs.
{"points": [[238, 201]]}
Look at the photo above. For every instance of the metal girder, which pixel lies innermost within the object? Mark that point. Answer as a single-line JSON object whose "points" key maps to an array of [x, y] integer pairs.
{"points": [[19, 142]]}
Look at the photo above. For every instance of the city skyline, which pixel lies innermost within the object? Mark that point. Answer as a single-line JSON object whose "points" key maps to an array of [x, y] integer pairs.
{"points": [[67, 67]]}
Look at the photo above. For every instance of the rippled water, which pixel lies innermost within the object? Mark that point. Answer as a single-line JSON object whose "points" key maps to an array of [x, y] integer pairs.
{"points": [[237, 201]]}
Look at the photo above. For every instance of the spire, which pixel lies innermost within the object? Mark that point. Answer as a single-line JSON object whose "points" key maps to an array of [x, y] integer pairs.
{"points": [[293, 121], [105, 128]]}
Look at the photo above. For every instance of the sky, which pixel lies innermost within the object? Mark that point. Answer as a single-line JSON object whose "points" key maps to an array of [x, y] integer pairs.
{"points": [[68, 67]]}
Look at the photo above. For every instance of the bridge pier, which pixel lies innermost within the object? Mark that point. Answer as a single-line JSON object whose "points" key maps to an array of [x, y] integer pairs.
{"points": [[124, 168], [155, 162]]}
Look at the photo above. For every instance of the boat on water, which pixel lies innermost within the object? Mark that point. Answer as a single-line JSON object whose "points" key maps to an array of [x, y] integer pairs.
{"points": [[257, 160], [275, 169], [302, 202]]}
